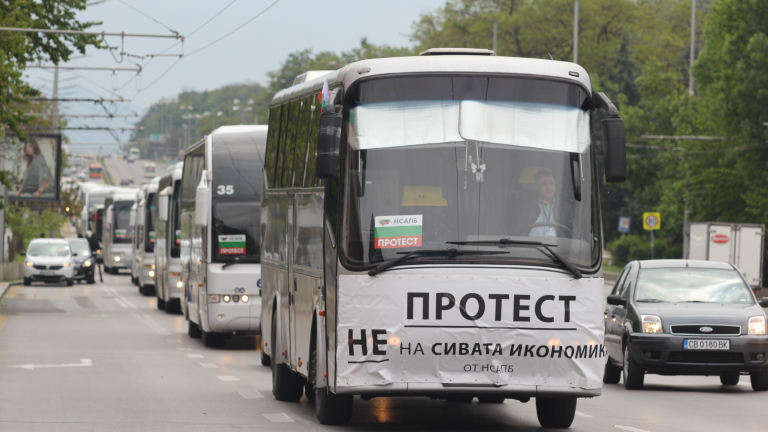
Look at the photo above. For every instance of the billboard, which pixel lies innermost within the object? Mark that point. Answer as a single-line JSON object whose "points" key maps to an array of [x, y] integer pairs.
{"points": [[33, 166]]}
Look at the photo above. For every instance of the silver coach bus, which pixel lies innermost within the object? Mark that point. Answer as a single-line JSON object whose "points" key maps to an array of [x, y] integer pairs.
{"points": [[431, 227]]}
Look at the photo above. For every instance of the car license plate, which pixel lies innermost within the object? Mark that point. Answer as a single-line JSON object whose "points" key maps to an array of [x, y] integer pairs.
{"points": [[47, 272], [706, 344]]}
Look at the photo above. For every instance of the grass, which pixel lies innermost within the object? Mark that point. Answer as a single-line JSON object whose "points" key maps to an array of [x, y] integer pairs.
{"points": [[611, 268]]}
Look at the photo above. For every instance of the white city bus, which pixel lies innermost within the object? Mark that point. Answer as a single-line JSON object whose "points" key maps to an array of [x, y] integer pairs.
{"points": [[143, 271], [168, 284], [220, 233], [91, 195], [432, 228], [117, 232]]}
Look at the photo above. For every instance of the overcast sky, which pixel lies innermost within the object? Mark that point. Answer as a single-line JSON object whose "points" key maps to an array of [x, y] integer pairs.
{"points": [[245, 56]]}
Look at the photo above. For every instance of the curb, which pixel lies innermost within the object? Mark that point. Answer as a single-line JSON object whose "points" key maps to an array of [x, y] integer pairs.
{"points": [[5, 285], [610, 276]]}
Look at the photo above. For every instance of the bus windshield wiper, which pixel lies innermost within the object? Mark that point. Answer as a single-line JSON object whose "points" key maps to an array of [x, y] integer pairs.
{"points": [[650, 301], [525, 243], [449, 253], [238, 261]]}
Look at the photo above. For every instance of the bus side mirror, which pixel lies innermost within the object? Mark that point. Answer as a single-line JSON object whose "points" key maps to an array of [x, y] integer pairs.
{"points": [[614, 149], [162, 205], [109, 216], [328, 144], [132, 218], [201, 201]]}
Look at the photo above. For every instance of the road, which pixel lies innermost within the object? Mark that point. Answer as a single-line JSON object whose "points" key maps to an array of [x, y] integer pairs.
{"points": [[102, 357], [124, 170]]}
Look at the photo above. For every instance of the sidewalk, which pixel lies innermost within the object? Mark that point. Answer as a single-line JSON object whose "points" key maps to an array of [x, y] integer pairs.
{"points": [[5, 285]]}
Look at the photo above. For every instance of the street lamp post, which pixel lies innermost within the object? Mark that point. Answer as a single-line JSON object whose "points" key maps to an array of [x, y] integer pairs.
{"points": [[576, 31]]}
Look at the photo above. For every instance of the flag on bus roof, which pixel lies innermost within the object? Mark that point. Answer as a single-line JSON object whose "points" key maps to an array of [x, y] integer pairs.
{"points": [[324, 96]]}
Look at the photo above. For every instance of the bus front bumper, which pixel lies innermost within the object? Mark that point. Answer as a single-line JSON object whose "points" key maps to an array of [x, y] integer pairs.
{"points": [[437, 390], [227, 317]]}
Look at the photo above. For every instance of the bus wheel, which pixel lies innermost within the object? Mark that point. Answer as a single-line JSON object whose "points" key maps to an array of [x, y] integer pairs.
{"points": [[211, 340], [491, 399], [160, 304], [332, 409], [194, 330], [286, 386], [265, 360], [555, 413]]}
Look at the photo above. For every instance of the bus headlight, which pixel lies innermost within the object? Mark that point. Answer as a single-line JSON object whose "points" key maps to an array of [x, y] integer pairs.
{"points": [[757, 325], [117, 258], [245, 298], [226, 298], [651, 324], [151, 273], [179, 284]]}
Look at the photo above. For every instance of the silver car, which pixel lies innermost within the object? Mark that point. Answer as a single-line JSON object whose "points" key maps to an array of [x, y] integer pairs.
{"points": [[48, 260]]}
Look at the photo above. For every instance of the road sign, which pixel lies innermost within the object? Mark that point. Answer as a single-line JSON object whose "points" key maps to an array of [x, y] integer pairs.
{"points": [[624, 224], [651, 221]]}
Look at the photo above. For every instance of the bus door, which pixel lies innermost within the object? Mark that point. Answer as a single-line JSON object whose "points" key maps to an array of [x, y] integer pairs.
{"points": [[291, 287]]}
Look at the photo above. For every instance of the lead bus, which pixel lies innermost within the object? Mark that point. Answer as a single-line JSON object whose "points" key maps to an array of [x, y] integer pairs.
{"points": [[432, 228], [220, 207]]}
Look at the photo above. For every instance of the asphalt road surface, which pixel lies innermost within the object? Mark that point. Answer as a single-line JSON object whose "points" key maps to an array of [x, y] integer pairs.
{"points": [[102, 357], [122, 169]]}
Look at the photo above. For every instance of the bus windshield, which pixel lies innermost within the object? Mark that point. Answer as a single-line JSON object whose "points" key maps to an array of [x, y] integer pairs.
{"points": [[469, 158], [236, 231], [149, 223], [123, 230]]}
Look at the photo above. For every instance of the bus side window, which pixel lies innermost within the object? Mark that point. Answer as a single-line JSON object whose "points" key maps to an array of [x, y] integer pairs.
{"points": [[273, 137], [289, 153], [313, 132], [300, 159]]}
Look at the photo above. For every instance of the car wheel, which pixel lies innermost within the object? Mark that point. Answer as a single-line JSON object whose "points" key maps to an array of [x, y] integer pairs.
{"points": [[729, 379], [555, 413], [491, 399], [194, 330], [286, 385], [633, 375], [27, 281], [612, 374], [70, 282], [90, 280], [759, 379]]}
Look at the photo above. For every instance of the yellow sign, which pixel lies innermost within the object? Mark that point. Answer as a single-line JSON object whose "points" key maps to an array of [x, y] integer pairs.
{"points": [[651, 221], [423, 196]]}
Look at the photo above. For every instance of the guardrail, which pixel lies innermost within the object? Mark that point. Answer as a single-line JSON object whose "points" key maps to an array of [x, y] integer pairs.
{"points": [[11, 271], [106, 173]]}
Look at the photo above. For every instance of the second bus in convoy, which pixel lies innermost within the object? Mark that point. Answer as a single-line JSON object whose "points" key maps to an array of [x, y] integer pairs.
{"points": [[143, 272], [220, 240], [168, 284], [432, 228], [117, 232]]}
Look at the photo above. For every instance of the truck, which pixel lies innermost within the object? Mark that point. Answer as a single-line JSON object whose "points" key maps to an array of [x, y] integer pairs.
{"points": [[736, 243]]}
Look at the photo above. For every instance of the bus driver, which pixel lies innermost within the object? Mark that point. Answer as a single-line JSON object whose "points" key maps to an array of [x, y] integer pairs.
{"points": [[547, 215]]}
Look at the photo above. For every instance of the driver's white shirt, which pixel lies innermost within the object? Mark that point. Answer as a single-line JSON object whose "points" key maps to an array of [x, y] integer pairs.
{"points": [[546, 215]]}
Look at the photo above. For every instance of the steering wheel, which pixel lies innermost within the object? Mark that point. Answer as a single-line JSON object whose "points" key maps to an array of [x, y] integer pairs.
{"points": [[548, 224]]}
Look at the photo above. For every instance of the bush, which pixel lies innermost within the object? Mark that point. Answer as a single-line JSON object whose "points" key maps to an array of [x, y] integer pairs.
{"points": [[637, 247]]}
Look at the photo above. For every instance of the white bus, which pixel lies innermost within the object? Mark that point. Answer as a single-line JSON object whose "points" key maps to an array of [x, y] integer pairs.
{"points": [[432, 228], [220, 233], [91, 195], [134, 154], [117, 232], [143, 270], [168, 284]]}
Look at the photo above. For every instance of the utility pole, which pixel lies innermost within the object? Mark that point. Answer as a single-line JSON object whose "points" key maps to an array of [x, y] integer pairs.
{"points": [[693, 46], [576, 31], [55, 103]]}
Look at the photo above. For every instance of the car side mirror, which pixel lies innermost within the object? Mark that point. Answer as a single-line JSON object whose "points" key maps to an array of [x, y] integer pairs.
{"points": [[763, 302], [614, 149], [328, 145], [616, 300]]}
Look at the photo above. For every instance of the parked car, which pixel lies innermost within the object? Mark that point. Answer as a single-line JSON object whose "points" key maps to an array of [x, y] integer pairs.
{"points": [[84, 259], [684, 317], [48, 260]]}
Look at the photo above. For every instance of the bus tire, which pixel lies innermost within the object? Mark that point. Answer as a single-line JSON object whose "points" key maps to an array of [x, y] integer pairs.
{"points": [[173, 306], [612, 374], [211, 340], [286, 385], [459, 398], [632, 374], [265, 360], [556, 413], [491, 399], [160, 304], [331, 408], [194, 330]]}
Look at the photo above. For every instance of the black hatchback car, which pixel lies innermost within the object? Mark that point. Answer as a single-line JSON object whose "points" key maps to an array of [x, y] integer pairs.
{"points": [[85, 260], [683, 317]]}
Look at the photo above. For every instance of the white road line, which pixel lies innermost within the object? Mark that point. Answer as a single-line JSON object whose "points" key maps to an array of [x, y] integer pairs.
{"points": [[278, 418], [173, 341], [126, 304], [250, 394], [83, 362], [195, 355], [629, 428], [209, 365], [228, 378], [155, 326], [581, 414]]}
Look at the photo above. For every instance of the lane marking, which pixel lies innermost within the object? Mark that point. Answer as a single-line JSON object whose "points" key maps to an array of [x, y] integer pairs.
{"points": [[209, 365], [228, 378], [250, 394], [629, 428], [126, 304], [184, 349], [581, 414], [278, 418], [173, 341], [155, 326], [83, 362], [194, 355]]}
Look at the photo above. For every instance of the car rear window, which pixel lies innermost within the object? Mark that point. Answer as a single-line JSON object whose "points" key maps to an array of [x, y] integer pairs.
{"points": [[692, 285]]}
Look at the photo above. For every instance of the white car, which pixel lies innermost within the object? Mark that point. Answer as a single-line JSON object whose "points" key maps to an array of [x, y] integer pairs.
{"points": [[49, 260]]}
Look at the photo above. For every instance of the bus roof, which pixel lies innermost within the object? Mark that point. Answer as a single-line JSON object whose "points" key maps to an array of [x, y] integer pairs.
{"points": [[439, 64]]}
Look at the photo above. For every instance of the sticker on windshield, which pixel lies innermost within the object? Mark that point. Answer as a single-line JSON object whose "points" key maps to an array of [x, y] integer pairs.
{"points": [[397, 231], [119, 233], [232, 244], [151, 236], [178, 236]]}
